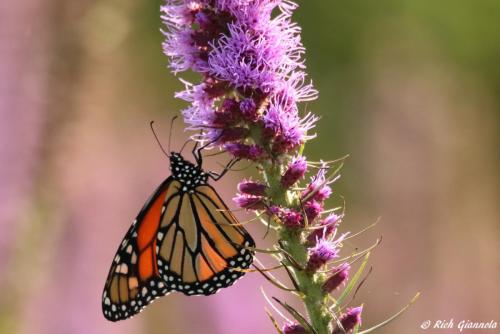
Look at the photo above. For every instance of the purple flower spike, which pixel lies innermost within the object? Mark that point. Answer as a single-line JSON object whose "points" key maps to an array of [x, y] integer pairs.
{"points": [[295, 172], [252, 188], [329, 224], [340, 276], [250, 202], [293, 328], [349, 320], [251, 48], [251, 75], [320, 254]]}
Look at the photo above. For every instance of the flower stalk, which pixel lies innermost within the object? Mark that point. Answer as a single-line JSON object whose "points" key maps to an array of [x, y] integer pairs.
{"points": [[250, 59]]}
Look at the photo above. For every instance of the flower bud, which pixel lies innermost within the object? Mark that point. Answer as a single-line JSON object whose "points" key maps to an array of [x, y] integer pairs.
{"points": [[274, 210], [251, 152], [312, 209], [252, 188], [329, 224], [250, 202], [285, 143], [349, 320], [204, 21], [248, 109], [320, 254], [295, 172], [232, 134], [318, 189], [215, 88], [323, 193], [340, 275], [255, 152], [227, 114], [230, 105], [293, 328], [292, 219]]}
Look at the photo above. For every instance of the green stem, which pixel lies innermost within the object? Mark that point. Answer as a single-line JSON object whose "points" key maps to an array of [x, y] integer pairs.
{"points": [[310, 284]]}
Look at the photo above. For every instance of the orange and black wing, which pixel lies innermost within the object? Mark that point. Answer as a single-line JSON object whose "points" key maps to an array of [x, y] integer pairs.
{"points": [[201, 244], [133, 280]]}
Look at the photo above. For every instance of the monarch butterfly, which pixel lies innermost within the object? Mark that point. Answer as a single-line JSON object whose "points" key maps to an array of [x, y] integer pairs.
{"points": [[184, 239]]}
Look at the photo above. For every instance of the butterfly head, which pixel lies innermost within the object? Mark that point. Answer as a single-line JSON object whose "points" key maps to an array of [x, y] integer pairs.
{"points": [[187, 173]]}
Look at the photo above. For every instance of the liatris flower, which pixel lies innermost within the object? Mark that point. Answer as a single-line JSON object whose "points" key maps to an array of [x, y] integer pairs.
{"points": [[293, 328], [349, 320], [252, 188], [320, 254], [252, 76], [329, 225], [339, 276], [294, 172]]}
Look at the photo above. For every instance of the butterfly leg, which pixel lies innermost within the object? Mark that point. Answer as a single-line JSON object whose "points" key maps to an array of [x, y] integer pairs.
{"points": [[197, 150], [216, 176], [197, 153]]}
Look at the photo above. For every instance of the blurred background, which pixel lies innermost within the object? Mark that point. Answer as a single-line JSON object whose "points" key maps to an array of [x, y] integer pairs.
{"points": [[410, 89]]}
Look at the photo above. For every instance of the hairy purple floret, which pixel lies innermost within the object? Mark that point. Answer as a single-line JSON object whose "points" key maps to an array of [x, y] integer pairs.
{"points": [[249, 202], [329, 227], [339, 276], [312, 209], [295, 171], [252, 188], [292, 218], [244, 151], [349, 320], [320, 254], [319, 188]]}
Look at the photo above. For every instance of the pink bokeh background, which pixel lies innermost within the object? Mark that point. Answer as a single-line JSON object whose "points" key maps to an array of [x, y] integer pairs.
{"points": [[79, 83]]}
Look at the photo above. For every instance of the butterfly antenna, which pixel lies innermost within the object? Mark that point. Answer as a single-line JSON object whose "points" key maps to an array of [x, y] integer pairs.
{"points": [[184, 145], [158, 140], [171, 130]]}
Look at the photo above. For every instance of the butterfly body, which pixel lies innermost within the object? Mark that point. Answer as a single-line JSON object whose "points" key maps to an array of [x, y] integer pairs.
{"points": [[184, 239], [188, 174]]}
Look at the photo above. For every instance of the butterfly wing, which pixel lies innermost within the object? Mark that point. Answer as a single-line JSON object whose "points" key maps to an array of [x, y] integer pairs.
{"points": [[133, 280], [201, 244]]}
